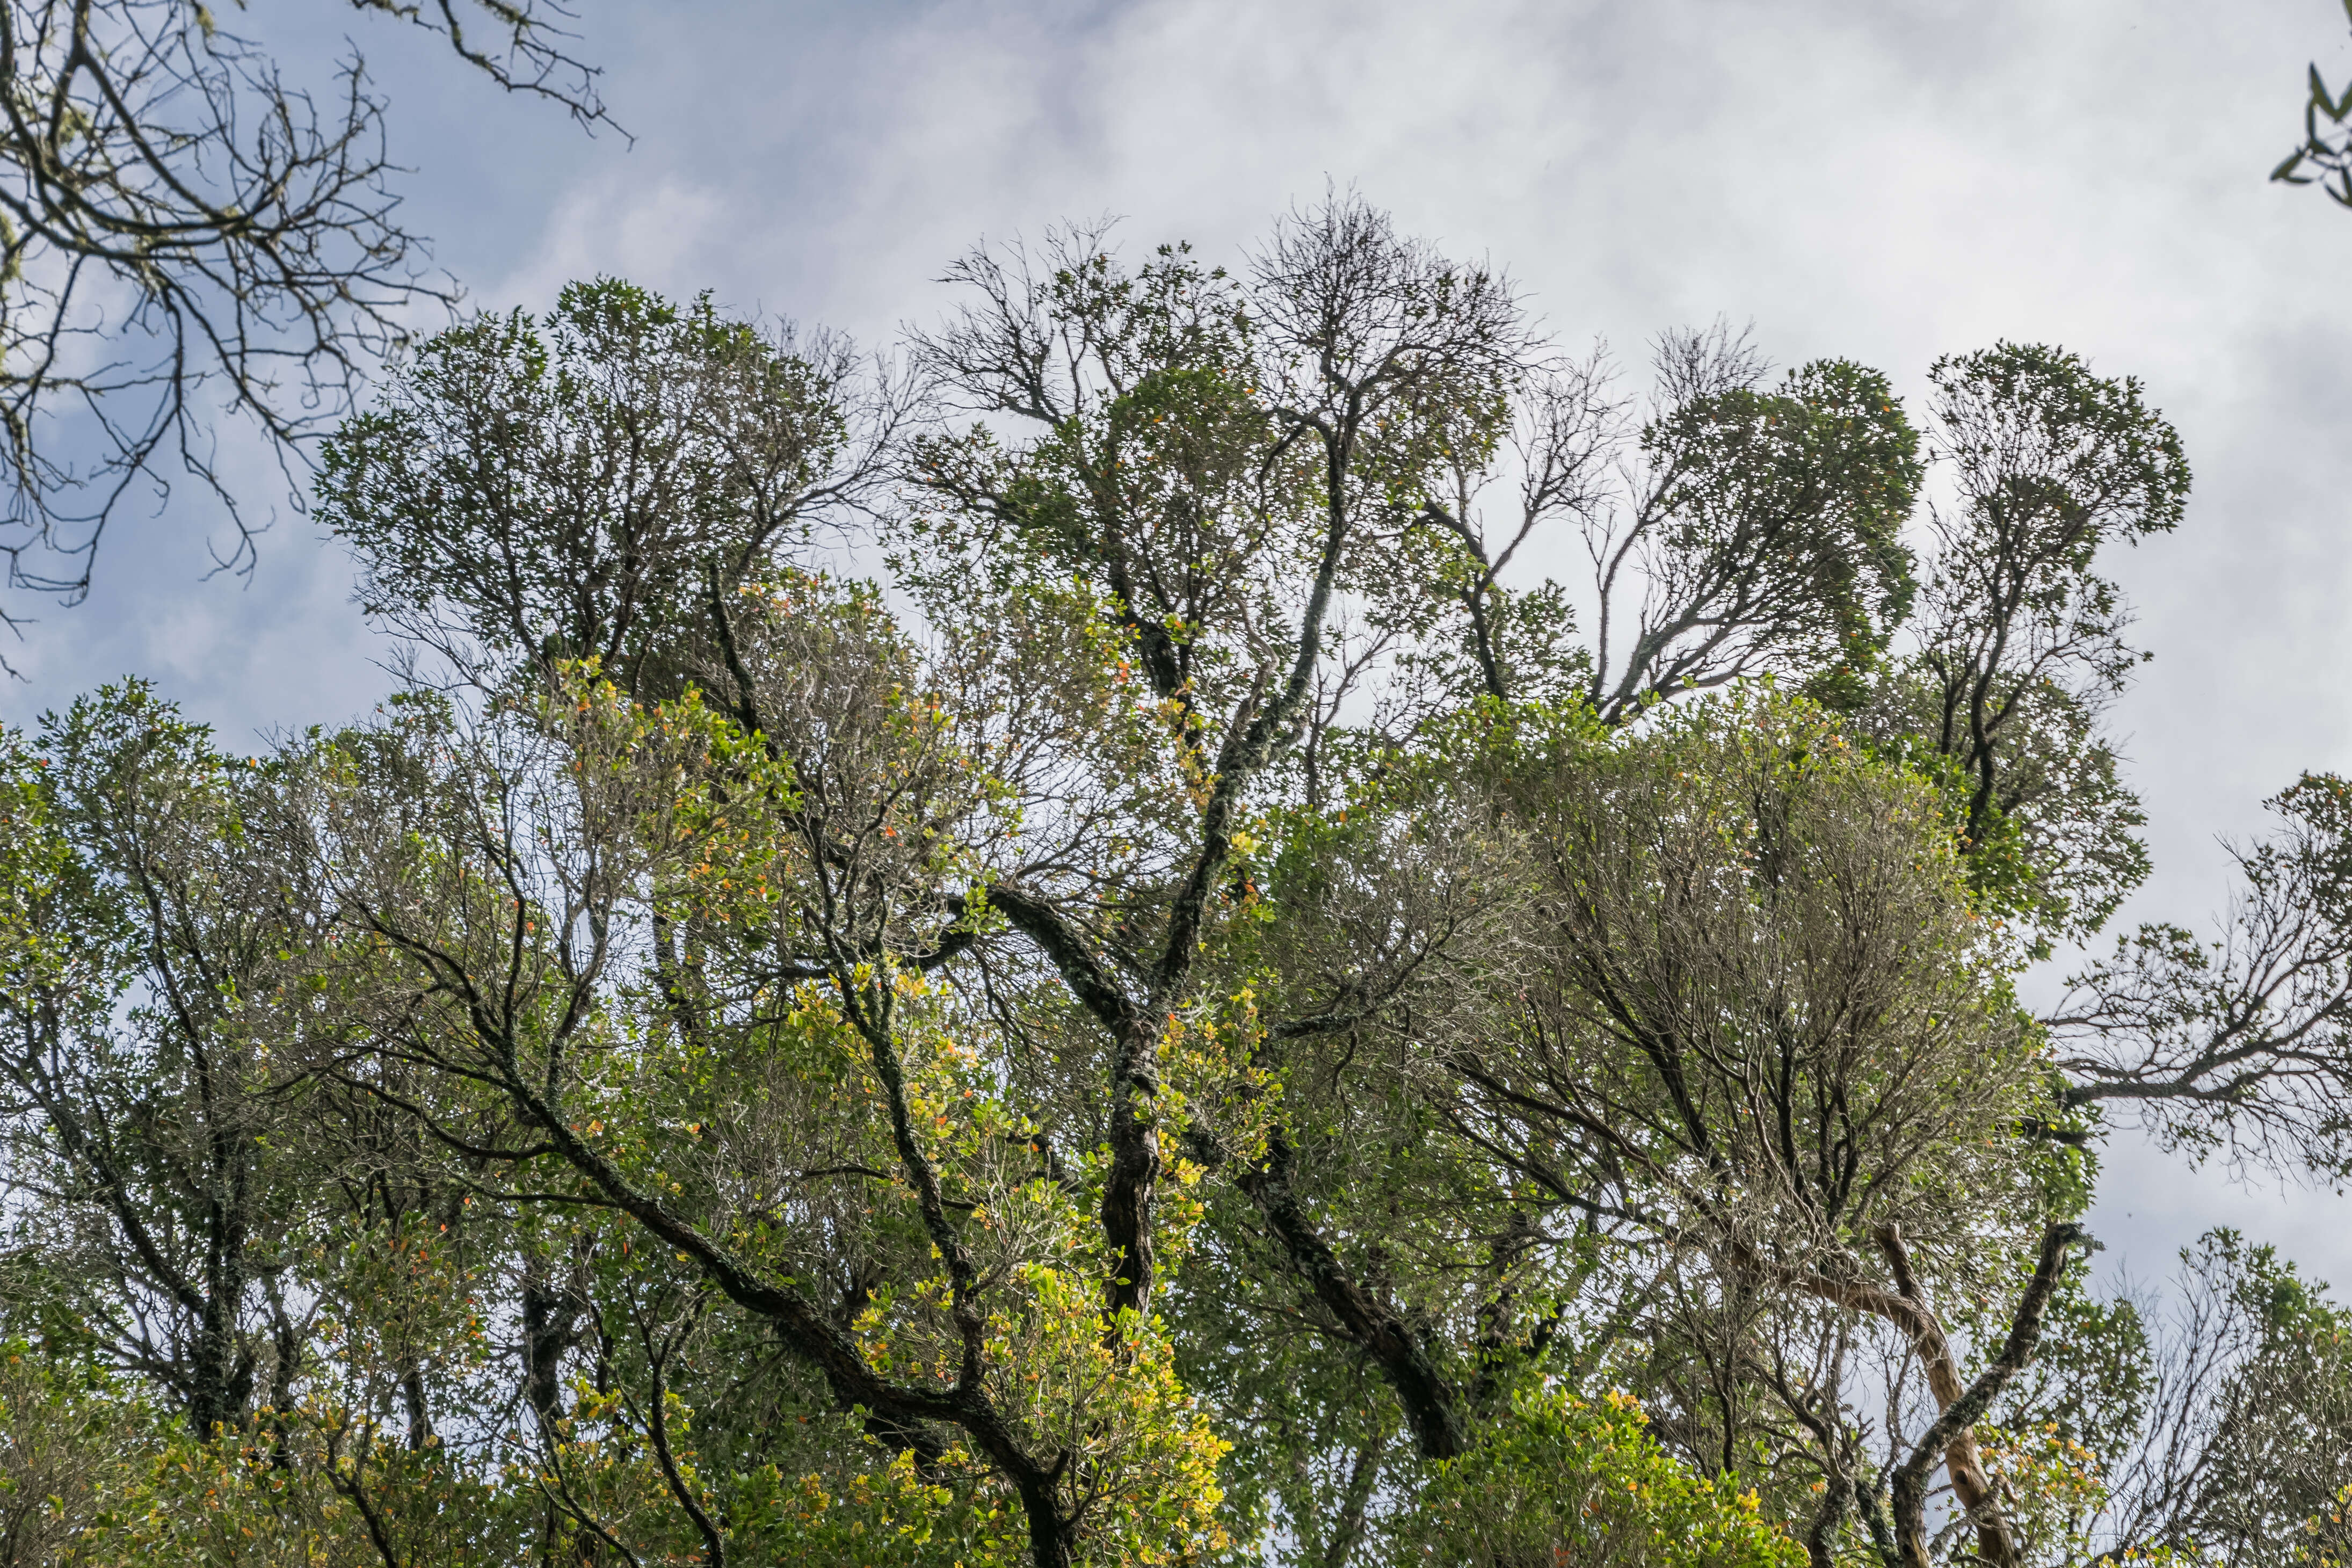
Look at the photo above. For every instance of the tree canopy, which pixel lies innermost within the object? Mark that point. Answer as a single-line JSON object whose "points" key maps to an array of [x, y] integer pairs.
{"points": [[1065, 954]]}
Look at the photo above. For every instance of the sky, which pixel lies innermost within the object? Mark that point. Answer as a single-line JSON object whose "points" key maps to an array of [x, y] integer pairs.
{"points": [[1881, 180]]}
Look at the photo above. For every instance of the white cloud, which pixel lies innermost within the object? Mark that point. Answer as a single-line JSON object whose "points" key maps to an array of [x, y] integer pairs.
{"points": [[1884, 182]]}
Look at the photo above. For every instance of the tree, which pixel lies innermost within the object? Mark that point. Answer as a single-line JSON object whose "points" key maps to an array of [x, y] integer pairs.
{"points": [[188, 239], [2021, 644], [2209, 1426], [1687, 1078], [676, 454], [1766, 526], [1247, 503], [2240, 1042], [148, 960], [1189, 1017]]}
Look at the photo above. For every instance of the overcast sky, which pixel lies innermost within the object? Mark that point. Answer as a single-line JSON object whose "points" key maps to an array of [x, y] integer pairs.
{"points": [[1883, 180]]}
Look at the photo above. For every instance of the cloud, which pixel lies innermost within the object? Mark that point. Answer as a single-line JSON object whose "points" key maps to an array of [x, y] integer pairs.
{"points": [[1884, 182], [612, 223]]}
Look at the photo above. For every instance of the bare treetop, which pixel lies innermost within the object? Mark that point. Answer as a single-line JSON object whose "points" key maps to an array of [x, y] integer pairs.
{"points": [[194, 242]]}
